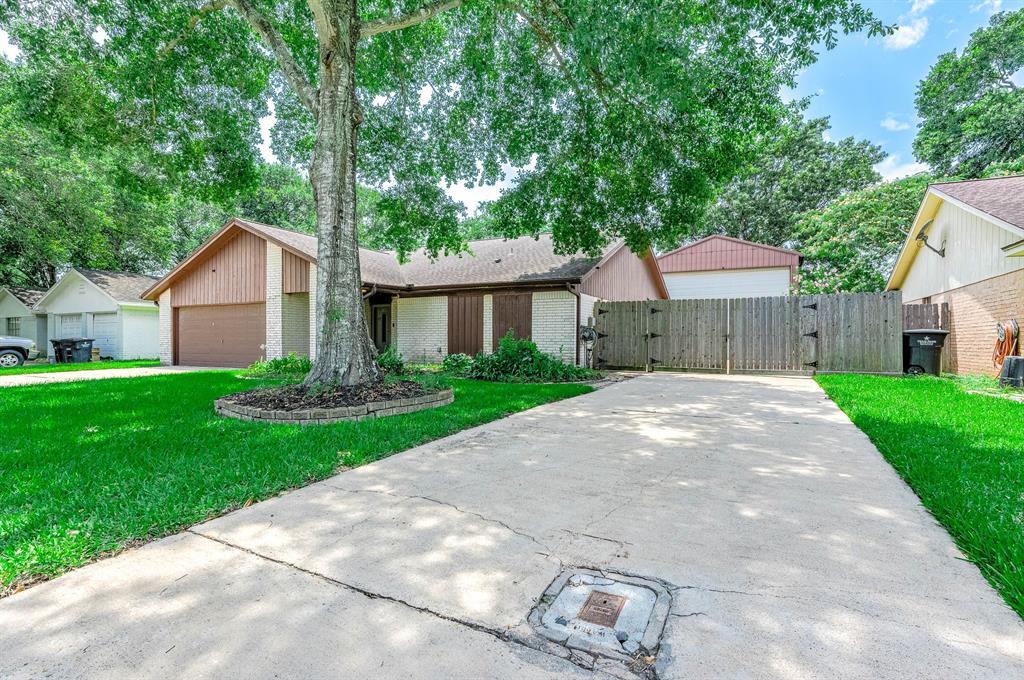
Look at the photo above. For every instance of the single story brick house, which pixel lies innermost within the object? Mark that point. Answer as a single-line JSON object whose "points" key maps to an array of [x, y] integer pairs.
{"points": [[725, 267], [249, 292], [19, 316], [105, 306], [966, 248]]}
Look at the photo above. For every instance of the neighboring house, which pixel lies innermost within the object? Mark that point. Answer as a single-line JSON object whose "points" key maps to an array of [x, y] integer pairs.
{"points": [[978, 228], [105, 306], [249, 292], [19, 316], [726, 267]]}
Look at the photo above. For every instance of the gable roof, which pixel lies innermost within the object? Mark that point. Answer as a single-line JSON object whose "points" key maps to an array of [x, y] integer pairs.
{"points": [[26, 296], [999, 200], [124, 288], [1000, 197], [717, 252], [522, 260]]}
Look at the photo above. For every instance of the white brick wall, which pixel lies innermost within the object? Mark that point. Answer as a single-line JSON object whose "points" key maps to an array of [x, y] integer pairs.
{"points": [[488, 324], [422, 328], [166, 341], [295, 324], [587, 309], [312, 311], [554, 323], [275, 338]]}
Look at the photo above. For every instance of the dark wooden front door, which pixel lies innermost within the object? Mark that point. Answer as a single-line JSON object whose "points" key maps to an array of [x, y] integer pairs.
{"points": [[512, 312], [381, 326], [465, 324]]}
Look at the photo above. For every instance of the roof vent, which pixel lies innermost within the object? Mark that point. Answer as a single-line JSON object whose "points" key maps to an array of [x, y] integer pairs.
{"points": [[497, 260]]}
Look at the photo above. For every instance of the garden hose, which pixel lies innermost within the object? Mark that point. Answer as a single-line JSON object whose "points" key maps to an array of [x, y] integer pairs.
{"points": [[1006, 341]]}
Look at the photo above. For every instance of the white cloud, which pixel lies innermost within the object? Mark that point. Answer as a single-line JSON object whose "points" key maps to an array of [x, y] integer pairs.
{"points": [[267, 122], [893, 125], [990, 6], [100, 36], [891, 168], [919, 6], [9, 51], [907, 35]]}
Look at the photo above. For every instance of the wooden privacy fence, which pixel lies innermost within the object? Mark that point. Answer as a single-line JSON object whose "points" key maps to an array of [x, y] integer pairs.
{"points": [[859, 333], [926, 316]]}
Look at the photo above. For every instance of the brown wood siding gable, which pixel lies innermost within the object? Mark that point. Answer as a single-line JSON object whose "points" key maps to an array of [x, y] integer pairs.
{"points": [[465, 324], [511, 312], [235, 274], [624, 276], [717, 253], [294, 273]]}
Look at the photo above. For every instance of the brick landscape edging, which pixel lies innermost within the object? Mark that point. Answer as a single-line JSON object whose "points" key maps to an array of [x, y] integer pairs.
{"points": [[374, 409]]}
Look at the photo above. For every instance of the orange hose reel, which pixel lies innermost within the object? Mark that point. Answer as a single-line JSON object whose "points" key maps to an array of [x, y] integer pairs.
{"points": [[1006, 341]]}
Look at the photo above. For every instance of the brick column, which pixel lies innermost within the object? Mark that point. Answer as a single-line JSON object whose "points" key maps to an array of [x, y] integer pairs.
{"points": [[313, 328], [166, 329], [275, 327], [488, 324]]}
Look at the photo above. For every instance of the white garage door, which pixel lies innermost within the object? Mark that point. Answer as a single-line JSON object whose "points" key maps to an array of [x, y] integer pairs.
{"points": [[70, 326], [732, 283], [105, 334]]}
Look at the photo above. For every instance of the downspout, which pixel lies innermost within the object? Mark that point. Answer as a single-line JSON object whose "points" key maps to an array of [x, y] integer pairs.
{"points": [[576, 331], [370, 292]]}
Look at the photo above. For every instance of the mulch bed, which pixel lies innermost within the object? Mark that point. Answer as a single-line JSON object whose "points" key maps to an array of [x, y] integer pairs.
{"points": [[299, 397]]}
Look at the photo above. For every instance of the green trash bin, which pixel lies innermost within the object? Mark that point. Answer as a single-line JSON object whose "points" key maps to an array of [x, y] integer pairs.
{"points": [[922, 351]]}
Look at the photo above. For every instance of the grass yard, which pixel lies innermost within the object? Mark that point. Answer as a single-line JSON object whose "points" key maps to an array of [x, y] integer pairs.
{"points": [[963, 454], [91, 467], [63, 368]]}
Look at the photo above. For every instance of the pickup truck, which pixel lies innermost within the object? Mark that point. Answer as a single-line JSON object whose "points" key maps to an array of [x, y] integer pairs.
{"points": [[16, 351]]}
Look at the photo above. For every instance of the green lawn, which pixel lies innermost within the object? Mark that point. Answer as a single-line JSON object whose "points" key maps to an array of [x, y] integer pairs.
{"points": [[963, 454], [91, 467], [61, 368]]}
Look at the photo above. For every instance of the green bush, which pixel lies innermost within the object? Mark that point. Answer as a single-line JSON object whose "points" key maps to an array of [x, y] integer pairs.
{"points": [[291, 366], [390, 361], [457, 364], [521, 361]]}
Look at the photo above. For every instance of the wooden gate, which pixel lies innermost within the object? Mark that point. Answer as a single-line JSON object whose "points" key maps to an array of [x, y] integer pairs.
{"points": [[860, 333]]}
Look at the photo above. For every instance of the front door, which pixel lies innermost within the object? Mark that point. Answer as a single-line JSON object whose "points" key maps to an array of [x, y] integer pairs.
{"points": [[381, 321]]}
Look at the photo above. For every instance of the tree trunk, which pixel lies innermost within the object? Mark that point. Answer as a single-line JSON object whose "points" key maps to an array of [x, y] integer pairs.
{"points": [[344, 353]]}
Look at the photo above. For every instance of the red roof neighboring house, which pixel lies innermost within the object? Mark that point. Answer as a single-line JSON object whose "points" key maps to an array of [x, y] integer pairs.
{"points": [[726, 267]]}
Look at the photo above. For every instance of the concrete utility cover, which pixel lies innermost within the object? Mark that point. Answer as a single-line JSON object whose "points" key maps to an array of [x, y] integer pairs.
{"points": [[606, 614]]}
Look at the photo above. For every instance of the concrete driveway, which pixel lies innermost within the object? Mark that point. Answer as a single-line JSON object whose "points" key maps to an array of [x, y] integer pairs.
{"points": [[791, 549], [94, 374]]}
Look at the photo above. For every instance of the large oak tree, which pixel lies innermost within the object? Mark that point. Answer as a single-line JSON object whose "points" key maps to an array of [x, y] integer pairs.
{"points": [[628, 113]]}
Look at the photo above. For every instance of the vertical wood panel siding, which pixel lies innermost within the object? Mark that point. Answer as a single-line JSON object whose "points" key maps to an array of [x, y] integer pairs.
{"points": [[235, 274], [465, 324], [623, 277], [512, 311], [294, 273], [725, 253]]}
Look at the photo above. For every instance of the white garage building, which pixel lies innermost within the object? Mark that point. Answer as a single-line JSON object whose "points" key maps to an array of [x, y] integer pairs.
{"points": [[105, 306], [726, 267]]}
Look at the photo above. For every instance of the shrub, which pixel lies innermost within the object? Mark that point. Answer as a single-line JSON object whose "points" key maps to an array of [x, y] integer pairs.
{"points": [[390, 361], [521, 361], [457, 364], [291, 366]]}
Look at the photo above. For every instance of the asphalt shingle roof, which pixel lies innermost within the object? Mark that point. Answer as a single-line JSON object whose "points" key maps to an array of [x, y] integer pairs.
{"points": [[1001, 197], [488, 261], [122, 286], [28, 296]]}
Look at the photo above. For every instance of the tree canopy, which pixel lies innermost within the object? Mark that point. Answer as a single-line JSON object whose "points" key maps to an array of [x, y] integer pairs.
{"points": [[972, 110], [797, 169]]}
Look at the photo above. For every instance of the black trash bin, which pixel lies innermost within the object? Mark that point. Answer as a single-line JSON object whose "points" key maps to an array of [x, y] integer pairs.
{"points": [[1012, 374], [72, 350], [922, 350]]}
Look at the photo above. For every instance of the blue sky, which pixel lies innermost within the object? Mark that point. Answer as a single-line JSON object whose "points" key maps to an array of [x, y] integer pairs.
{"points": [[865, 86]]}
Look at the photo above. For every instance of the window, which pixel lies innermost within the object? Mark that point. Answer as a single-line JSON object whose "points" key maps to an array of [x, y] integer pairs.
{"points": [[14, 325]]}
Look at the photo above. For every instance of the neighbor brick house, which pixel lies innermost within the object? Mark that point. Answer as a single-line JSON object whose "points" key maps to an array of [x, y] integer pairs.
{"points": [[977, 227], [250, 292], [726, 267]]}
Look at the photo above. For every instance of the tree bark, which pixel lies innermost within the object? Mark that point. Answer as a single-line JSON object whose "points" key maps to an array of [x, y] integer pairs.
{"points": [[344, 353]]}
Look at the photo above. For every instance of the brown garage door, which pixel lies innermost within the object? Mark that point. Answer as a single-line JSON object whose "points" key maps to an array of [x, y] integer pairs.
{"points": [[220, 335]]}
